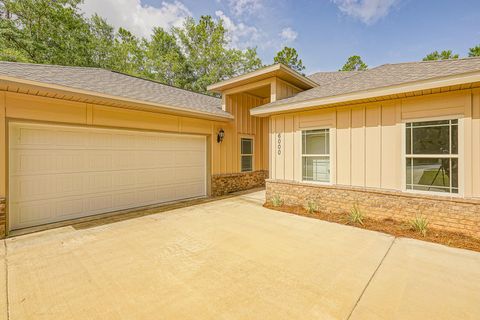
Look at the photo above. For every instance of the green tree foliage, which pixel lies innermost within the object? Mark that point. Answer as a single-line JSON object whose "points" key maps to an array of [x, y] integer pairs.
{"points": [[207, 56], [474, 52], [354, 63], [164, 60], [56, 32], [289, 57], [46, 31], [444, 55]]}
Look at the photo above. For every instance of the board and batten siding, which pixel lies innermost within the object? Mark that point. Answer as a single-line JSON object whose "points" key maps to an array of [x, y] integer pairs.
{"points": [[284, 89], [226, 158], [367, 139]]}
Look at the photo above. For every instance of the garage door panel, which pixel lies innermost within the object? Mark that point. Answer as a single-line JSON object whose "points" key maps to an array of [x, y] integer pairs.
{"points": [[70, 139], [46, 161], [184, 143], [33, 137], [189, 158], [85, 171], [165, 176], [32, 187], [98, 181], [184, 191], [186, 174], [34, 162], [70, 208], [31, 213], [99, 160]]}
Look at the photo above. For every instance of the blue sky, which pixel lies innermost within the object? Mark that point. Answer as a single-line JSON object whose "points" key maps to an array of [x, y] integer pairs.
{"points": [[325, 32]]}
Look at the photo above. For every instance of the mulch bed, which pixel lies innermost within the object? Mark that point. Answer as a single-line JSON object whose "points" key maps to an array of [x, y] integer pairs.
{"points": [[390, 226]]}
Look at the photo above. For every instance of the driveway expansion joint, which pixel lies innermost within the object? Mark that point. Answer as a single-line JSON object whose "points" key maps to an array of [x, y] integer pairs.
{"points": [[371, 278]]}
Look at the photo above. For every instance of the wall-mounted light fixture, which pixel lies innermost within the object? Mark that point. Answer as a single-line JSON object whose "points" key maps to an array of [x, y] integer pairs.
{"points": [[220, 136]]}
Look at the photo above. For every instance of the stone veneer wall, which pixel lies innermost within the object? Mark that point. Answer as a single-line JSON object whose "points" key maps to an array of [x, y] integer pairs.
{"points": [[3, 218], [226, 183], [442, 212]]}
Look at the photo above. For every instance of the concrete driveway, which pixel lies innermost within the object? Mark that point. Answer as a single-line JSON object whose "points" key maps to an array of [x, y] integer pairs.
{"points": [[233, 259]]}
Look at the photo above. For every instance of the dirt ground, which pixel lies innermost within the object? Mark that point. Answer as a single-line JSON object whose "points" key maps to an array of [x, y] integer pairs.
{"points": [[390, 226]]}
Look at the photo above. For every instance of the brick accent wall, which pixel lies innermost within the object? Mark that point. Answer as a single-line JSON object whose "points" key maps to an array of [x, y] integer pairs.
{"points": [[3, 218], [226, 183], [442, 212]]}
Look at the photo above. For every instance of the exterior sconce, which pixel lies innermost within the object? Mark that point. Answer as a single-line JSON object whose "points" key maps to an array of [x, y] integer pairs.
{"points": [[220, 136]]}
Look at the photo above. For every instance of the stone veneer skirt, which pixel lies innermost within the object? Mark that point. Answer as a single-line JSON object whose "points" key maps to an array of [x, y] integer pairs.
{"points": [[443, 212]]}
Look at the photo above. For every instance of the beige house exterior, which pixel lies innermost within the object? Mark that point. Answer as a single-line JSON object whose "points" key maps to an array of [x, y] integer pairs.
{"points": [[75, 142], [398, 140]]}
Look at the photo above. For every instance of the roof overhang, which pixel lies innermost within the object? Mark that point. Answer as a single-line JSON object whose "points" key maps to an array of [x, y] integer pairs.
{"points": [[353, 97], [277, 70], [100, 98]]}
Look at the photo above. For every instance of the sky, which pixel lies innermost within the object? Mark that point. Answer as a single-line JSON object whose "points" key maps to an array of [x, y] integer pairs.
{"points": [[324, 32]]}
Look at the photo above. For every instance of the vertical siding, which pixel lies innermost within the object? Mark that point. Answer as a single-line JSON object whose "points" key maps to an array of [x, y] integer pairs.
{"points": [[475, 143], [289, 148], [279, 147], [358, 147], [244, 125], [285, 90], [367, 140], [391, 147], [343, 146], [373, 146]]}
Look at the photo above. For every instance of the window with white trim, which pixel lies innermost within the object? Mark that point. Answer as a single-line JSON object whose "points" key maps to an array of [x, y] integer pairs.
{"points": [[316, 155], [432, 156], [246, 157]]}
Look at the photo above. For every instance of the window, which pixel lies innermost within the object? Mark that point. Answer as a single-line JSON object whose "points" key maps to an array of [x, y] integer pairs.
{"points": [[316, 155], [246, 150], [432, 156]]}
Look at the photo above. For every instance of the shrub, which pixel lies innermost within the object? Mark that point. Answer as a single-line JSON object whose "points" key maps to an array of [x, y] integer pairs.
{"points": [[277, 201], [311, 206], [420, 224], [356, 215]]}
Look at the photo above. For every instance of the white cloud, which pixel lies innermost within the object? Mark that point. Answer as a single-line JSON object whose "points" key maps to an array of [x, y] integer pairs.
{"points": [[239, 7], [240, 34], [288, 35], [137, 17], [367, 11]]}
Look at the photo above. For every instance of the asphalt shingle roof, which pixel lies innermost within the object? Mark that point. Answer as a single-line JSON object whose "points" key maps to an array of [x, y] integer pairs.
{"points": [[383, 76], [116, 84], [323, 78]]}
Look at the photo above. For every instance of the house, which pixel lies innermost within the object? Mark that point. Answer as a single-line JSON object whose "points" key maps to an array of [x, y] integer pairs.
{"points": [[398, 140]]}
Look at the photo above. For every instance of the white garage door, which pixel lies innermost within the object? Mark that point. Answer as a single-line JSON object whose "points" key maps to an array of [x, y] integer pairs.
{"points": [[61, 172]]}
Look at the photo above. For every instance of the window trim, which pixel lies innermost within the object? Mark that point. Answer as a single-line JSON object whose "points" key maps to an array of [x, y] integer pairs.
{"points": [[330, 155], [459, 156], [252, 154]]}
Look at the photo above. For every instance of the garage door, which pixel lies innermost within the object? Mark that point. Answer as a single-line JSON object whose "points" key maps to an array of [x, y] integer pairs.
{"points": [[59, 172]]}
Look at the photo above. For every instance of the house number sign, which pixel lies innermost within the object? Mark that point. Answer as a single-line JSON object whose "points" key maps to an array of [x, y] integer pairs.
{"points": [[279, 143]]}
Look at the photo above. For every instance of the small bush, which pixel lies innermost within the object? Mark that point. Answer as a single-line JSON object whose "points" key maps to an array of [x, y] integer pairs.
{"points": [[311, 206], [420, 224], [356, 215], [276, 201]]}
